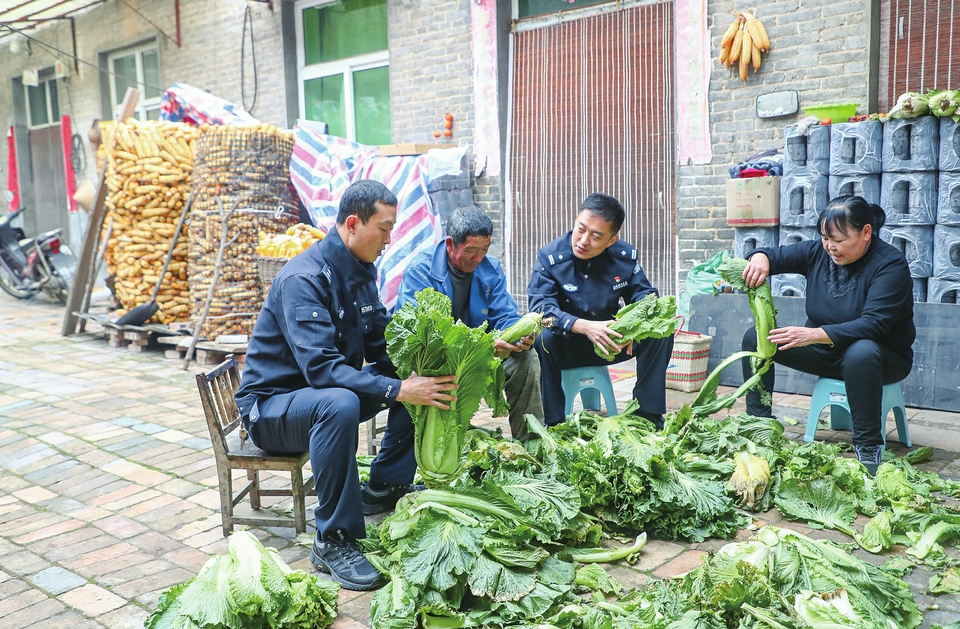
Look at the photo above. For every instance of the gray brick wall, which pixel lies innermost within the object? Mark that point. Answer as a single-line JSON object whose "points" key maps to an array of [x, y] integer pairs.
{"points": [[819, 48], [431, 74]]}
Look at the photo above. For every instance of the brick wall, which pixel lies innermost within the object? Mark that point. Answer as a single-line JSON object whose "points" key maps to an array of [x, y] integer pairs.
{"points": [[431, 74], [209, 58], [819, 48]]}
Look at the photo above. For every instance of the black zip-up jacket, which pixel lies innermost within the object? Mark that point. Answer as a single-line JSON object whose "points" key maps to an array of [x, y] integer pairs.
{"points": [[871, 298], [322, 318]]}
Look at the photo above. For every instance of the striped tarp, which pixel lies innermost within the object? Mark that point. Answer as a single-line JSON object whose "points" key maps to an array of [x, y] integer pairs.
{"points": [[321, 168]]}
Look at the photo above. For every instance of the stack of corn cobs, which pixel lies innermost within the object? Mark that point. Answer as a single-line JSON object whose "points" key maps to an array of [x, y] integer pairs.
{"points": [[744, 42]]}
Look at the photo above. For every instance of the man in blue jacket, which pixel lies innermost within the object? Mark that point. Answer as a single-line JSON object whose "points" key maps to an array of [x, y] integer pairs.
{"points": [[582, 279], [460, 268], [305, 386]]}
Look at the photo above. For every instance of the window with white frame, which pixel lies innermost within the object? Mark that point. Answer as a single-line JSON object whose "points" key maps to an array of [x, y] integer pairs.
{"points": [[43, 103], [344, 67], [138, 68]]}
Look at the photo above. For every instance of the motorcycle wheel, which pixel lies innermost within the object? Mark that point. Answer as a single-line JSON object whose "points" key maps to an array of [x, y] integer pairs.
{"points": [[10, 285]]}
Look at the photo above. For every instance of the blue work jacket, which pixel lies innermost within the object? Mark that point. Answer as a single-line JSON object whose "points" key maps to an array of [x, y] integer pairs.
{"points": [[322, 318], [567, 288], [489, 299]]}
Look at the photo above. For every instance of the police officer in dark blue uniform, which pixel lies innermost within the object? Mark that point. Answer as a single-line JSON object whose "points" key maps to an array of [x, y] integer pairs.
{"points": [[305, 385], [582, 279]]}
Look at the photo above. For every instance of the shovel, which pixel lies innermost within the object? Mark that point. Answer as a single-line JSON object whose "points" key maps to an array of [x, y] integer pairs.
{"points": [[143, 312]]}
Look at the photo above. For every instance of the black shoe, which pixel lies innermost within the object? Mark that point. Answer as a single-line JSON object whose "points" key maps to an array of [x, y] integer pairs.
{"points": [[870, 456], [653, 418], [345, 562], [379, 500]]}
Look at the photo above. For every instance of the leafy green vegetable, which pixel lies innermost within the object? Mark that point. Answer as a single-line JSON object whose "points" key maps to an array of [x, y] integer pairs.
{"points": [[820, 502], [910, 105], [829, 611], [878, 533], [649, 318], [928, 543], [751, 476], [947, 582], [765, 315], [594, 578], [248, 588], [424, 339]]}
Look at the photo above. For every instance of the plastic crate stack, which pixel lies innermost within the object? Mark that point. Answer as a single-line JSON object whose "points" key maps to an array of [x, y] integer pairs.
{"points": [[944, 286]]}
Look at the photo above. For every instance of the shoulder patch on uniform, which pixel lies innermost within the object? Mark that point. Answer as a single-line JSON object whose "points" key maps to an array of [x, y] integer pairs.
{"points": [[550, 258], [633, 254], [636, 269]]}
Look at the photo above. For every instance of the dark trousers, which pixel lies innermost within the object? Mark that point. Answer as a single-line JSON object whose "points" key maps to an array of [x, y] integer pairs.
{"points": [[864, 366], [558, 352], [326, 423]]}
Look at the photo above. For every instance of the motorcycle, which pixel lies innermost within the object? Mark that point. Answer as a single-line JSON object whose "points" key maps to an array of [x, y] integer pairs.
{"points": [[29, 266]]}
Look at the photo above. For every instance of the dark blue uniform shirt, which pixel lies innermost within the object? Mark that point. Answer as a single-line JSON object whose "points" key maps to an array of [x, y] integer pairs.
{"points": [[322, 318], [567, 288]]}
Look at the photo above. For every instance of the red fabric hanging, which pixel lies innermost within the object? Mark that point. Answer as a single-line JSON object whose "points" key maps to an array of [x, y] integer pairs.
{"points": [[12, 182], [67, 136]]}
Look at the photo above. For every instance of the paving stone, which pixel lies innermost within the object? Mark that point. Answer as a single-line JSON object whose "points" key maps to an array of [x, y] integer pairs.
{"points": [[121, 526], [127, 617], [68, 618], [33, 495], [46, 532], [37, 613], [56, 580], [681, 565], [160, 580], [23, 562], [92, 600], [20, 600]]}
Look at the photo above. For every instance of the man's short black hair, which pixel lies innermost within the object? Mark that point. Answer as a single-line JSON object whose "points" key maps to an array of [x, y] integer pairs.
{"points": [[466, 221], [360, 199], [606, 207]]}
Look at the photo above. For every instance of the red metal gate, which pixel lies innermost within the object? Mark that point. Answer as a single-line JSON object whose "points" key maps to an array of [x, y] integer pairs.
{"points": [[593, 111]]}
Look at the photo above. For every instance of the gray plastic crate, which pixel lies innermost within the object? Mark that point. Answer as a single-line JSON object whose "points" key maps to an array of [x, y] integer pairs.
{"points": [[802, 198], [909, 198], [788, 285], [806, 154], [943, 291], [916, 243], [948, 208], [793, 235], [911, 144], [866, 186], [746, 239], [946, 252], [855, 148], [920, 289], [949, 145]]}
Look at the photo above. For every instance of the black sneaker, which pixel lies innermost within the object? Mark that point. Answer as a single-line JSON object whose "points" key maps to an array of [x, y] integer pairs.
{"points": [[345, 562], [870, 456], [380, 500]]}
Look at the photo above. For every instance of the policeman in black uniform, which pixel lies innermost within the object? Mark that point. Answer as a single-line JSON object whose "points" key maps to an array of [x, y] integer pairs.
{"points": [[582, 279], [305, 385]]}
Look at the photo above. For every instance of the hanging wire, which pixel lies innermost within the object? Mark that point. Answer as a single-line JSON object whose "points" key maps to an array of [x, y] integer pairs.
{"points": [[78, 59], [248, 19]]}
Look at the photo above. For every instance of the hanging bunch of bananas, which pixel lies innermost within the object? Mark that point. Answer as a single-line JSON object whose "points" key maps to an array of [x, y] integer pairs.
{"points": [[744, 42]]}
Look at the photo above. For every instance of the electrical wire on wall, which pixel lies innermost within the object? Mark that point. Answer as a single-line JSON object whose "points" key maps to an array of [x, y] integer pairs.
{"points": [[248, 23]]}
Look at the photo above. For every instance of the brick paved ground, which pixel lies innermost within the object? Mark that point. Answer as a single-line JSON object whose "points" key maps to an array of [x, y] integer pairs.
{"points": [[108, 486]]}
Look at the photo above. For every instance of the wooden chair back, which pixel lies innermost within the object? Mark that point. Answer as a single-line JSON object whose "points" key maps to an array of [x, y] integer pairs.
{"points": [[217, 389]]}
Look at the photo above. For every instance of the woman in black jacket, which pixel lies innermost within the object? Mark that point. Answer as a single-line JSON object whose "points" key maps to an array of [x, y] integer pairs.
{"points": [[859, 304]]}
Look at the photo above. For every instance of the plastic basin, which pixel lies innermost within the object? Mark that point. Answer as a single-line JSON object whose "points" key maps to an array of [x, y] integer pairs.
{"points": [[836, 113]]}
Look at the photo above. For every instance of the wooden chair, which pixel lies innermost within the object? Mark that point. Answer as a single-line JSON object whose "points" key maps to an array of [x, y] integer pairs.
{"points": [[233, 451]]}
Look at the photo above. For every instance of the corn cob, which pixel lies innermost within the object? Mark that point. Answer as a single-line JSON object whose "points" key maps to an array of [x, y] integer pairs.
{"points": [[528, 324], [746, 55], [727, 40], [757, 32], [756, 58], [737, 46]]}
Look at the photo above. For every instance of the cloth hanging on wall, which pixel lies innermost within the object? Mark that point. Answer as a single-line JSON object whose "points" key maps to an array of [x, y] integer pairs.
{"points": [[12, 182], [66, 135]]}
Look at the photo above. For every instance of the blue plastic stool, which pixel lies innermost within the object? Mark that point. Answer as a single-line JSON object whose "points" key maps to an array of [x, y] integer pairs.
{"points": [[590, 383], [833, 393]]}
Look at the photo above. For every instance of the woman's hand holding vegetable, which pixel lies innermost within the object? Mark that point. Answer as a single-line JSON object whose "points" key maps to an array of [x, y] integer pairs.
{"points": [[600, 334], [428, 391], [758, 269], [798, 336]]}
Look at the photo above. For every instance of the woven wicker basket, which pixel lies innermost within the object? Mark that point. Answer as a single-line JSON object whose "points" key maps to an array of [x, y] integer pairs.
{"points": [[688, 363], [269, 267]]}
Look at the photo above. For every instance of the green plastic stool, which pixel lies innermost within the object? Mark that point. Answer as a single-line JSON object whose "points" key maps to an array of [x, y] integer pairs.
{"points": [[590, 383], [833, 393]]}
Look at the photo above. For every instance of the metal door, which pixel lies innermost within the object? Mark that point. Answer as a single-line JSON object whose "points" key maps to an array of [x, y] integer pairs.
{"points": [[49, 179], [593, 111]]}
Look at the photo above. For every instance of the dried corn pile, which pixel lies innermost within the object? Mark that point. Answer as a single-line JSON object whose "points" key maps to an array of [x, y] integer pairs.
{"points": [[246, 170], [149, 170]]}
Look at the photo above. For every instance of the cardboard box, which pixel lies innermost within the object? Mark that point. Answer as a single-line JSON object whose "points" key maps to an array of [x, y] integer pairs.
{"points": [[411, 148], [753, 201]]}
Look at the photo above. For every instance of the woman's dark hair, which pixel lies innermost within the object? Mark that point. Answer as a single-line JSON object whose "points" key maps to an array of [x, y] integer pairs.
{"points": [[850, 212]]}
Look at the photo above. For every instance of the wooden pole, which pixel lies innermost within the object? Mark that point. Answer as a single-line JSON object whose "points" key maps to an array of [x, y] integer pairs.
{"points": [[84, 278]]}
